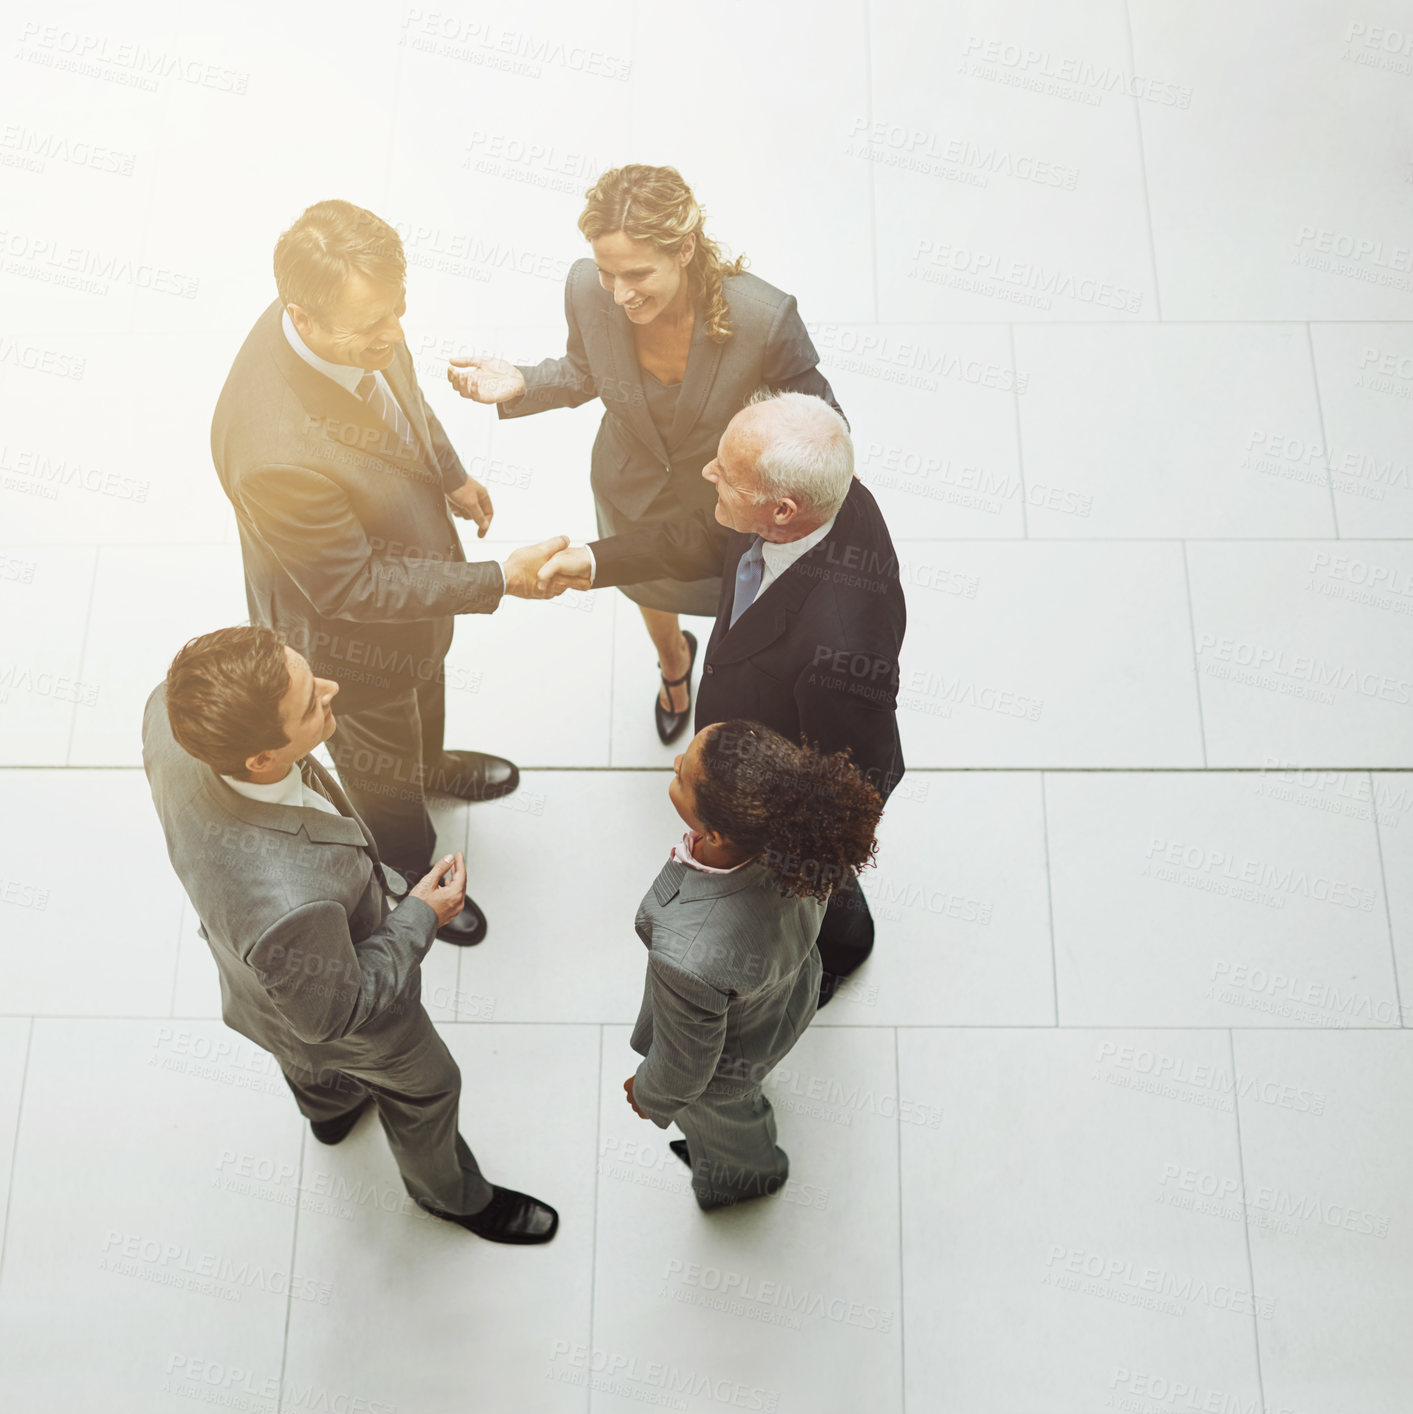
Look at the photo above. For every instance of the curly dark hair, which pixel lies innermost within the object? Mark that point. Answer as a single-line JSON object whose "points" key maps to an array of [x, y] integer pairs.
{"points": [[809, 817]]}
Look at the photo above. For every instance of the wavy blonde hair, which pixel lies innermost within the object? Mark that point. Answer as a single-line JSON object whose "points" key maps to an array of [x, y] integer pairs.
{"points": [[654, 204]]}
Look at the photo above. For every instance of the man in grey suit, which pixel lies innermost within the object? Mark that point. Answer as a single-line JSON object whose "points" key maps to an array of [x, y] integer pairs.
{"points": [[293, 901]]}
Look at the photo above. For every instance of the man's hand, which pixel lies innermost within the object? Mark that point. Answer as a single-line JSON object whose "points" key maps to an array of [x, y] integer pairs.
{"points": [[486, 380], [445, 898], [628, 1086], [523, 569], [568, 569], [471, 501]]}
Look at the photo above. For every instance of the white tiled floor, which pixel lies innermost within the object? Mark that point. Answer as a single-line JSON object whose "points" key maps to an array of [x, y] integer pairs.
{"points": [[1128, 279]]}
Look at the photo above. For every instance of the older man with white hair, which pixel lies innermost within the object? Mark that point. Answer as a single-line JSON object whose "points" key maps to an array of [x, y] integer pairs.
{"points": [[811, 616]]}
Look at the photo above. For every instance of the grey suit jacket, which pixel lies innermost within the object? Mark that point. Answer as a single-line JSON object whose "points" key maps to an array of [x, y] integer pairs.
{"points": [[631, 463], [733, 980], [292, 905]]}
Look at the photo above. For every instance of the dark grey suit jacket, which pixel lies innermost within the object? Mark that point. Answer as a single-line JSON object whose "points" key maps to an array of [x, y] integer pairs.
{"points": [[631, 463], [347, 541], [733, 980], [293, 910]]}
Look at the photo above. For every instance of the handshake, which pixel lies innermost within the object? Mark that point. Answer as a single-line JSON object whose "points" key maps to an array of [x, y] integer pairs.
{"points": [[546, 570]]}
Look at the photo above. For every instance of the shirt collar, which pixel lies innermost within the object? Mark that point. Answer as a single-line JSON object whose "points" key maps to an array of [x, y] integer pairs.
{"points": [[344, 374], [780, 556], [682, 853], [289, 791]]}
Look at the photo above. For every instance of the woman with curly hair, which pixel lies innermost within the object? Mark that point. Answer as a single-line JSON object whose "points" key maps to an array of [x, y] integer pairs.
{"points": [[730, 926], [673, 338]]}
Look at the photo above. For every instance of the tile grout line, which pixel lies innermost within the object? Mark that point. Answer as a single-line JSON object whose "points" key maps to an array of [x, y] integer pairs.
{"points": [[1246, 1226], [293, 1245], [1143, 170], [1049, 901], [1324, 438], [15, 1152], [83, 651], [1020, 453], [594, 1233], [1196, 667], [902, 1250], [1388, 913]]}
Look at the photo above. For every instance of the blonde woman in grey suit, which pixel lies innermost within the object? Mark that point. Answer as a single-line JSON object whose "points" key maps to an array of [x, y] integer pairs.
{"points": [[673, 339], [730, 925]]}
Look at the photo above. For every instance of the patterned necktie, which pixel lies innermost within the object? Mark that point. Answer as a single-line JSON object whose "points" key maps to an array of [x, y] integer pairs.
{"points": [[748, 577], [378, 397]]}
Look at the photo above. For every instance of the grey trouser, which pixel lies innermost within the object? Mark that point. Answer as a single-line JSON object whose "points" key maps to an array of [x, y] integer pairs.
{"points": [[416, 1093], [731, 1142]]}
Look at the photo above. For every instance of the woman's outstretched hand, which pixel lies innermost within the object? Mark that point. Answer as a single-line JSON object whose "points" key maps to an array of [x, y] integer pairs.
{"points": [[485, 380]]}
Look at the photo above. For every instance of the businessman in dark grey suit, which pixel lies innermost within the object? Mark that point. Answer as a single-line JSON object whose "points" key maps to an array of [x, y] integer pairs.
{"points": [[811, 617], [344, 487], [293, 902]]}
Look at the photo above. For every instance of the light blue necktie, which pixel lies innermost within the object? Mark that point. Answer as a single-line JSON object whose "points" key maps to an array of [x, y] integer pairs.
{"points": [[748, 577]]}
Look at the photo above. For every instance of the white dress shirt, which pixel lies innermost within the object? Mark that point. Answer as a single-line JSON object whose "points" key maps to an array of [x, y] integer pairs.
{"points": [[348, 376], [289, 791]]}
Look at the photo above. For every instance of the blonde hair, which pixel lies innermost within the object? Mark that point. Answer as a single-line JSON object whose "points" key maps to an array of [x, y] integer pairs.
{"points": [[654, 204]]}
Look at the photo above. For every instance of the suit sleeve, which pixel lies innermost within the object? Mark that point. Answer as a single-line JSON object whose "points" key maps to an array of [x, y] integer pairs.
{"points": [[791, 360], [689, 1031], [848, 696], [690, 547], [309, 525], [324, 984], [556, 382]]}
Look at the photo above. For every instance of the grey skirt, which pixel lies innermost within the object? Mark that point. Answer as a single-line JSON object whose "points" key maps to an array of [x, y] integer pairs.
{"points": [[672, 596]]}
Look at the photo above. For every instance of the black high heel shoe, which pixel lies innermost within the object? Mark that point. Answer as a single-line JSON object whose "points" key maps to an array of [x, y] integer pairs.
{"points": [[670, 723]]}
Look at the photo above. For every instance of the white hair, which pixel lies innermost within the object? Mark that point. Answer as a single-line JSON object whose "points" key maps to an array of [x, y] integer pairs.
{"points": [[806, 453]]}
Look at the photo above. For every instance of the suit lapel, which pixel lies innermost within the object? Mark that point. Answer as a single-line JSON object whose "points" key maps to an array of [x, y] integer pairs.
{"points": [[318, 825], [627, 387], [401, 382], [703, 359], [345, 418], [769, 616]]}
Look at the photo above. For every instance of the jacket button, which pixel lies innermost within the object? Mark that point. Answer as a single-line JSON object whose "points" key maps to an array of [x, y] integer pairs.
{"points": [[708, 670]]}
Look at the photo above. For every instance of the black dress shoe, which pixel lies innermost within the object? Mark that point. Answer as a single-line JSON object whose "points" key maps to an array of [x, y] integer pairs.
{"points": [[510, 1217], [679, 1147], [335, 1131], [467, 928], [670, 723], [472, 775]]}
